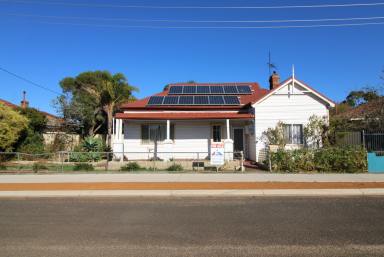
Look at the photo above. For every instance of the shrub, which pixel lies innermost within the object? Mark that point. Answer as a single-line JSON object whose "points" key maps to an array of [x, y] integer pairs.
{"points": [[175, 167], [274, 136], [83, 167], [132, 166], [12, 126], [32, 143], [92, 144], [38, 166], [88, 150], [2, 166], [79, 157], [335, 159]]}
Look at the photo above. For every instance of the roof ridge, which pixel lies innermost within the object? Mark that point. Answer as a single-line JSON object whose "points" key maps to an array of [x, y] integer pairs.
{"points": [[8, 103]]}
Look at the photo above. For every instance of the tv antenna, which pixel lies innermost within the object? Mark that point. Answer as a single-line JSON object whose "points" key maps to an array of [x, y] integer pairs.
{"points": [[271, 65]]}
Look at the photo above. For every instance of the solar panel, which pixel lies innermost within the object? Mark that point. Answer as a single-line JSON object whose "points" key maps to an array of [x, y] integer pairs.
{"points": [[170, 100], [155, 100], [216, 100], [230, 89], [175, 90], [217, 89], [210, 90], [189, 90], [185, 100], [201, 100], [194, 100], [244, 89], [203, 90], [231, 100]]}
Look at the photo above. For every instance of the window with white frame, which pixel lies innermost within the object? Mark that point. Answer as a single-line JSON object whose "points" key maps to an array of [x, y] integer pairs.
{"points": [[293, 134], [151, 132], [216, 133]]}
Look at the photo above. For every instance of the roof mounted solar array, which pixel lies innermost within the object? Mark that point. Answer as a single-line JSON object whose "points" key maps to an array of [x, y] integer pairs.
{"points": [[194, 100], [210, 90]]}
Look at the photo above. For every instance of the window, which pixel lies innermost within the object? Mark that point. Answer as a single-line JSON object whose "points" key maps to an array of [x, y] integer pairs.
{"points": [[293, 133], [216, 133], [149, 133]]}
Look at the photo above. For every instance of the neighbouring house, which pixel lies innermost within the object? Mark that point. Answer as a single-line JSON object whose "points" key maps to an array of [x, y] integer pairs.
{"points": [[186, 119], [363, 113], [54, 126], [362, 125]]}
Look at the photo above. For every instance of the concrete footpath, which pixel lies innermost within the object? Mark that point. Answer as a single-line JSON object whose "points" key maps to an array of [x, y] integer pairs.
{"points": [[247, 184]]}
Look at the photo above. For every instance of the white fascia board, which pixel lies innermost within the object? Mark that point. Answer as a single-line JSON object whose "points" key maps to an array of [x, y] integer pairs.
{"points": [[302, 85]]}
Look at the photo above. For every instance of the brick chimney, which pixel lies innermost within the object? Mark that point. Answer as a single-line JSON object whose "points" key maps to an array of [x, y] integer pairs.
{"points": [[24, 104], [274, 80]]}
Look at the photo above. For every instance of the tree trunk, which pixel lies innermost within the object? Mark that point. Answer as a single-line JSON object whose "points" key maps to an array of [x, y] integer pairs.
{"points": [[91, 131], [109, 111]]}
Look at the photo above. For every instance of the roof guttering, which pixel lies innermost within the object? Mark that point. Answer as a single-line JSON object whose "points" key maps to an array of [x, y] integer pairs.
{"points": [[183, 116]]}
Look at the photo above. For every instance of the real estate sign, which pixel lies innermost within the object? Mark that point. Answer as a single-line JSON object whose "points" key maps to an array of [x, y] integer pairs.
{"points": [[217, 154]]}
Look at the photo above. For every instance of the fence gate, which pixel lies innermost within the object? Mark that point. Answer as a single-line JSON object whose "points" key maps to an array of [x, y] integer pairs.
{"points": [[376, 162], [373, 142]]}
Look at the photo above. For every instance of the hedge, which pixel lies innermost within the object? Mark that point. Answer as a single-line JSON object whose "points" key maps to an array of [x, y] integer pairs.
{"points": [[327, 160]]}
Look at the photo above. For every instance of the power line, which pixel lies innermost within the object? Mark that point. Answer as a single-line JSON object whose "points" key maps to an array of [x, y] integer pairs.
{"points": [[194, 7], [190, 21], [212, 27], [29, 81]]}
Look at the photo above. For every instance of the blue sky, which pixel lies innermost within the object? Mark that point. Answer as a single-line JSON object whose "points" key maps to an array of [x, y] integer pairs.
{"points": [[334, 60]]}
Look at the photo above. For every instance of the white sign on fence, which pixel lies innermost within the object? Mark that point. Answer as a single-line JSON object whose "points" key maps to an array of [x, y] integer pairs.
{"points": [[217, 154]]}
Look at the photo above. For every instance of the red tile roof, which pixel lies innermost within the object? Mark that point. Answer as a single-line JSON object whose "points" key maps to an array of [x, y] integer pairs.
{"points": [[183, 115], [14, 106], [154, 112], [373, 108], [9, 104]]}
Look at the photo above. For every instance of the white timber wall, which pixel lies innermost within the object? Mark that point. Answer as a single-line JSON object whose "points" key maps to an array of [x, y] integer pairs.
{"points": [[251, 149], [191, 138], [288, 105]]}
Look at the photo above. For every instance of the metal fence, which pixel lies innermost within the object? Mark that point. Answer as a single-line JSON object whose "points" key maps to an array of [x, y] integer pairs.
{"points": [[117, 161], [372, 141]]}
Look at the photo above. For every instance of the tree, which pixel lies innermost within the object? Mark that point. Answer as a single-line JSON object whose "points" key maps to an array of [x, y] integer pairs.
{"points": [[113, 91], [93, 97], [32, 140], [275, 136], [356, 98], [77, 106], [315, 131], [37, 120], [12, 124]]}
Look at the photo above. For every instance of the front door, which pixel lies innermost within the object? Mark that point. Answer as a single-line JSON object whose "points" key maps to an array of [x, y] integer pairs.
{"points": [[238, 139]]}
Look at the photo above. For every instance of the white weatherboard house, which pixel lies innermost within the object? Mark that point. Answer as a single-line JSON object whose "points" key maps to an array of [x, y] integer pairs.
{"points": [[186, 119]]}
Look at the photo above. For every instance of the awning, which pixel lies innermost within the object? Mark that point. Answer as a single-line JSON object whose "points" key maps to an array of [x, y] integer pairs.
{"points": [[183, 116]]}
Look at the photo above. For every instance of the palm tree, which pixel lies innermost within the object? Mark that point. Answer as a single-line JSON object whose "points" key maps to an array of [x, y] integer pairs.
{"points": [[114, 91]]}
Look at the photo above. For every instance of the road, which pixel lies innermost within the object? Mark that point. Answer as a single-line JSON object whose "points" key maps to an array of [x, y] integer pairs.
{"points": [[278, 226]]}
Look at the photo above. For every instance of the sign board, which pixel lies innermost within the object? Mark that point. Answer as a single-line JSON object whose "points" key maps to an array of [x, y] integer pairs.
{"points": [[217, 154]]}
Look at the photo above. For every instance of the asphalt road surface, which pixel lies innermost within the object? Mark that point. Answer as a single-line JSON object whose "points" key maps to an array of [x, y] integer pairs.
{"points": [[192, 227]]}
